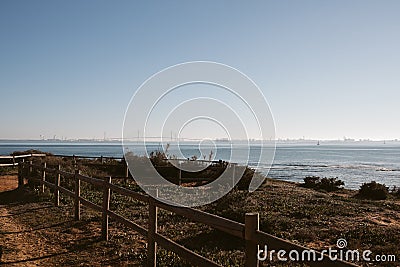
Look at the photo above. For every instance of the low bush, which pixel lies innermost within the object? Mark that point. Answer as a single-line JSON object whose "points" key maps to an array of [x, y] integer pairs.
{"points": [[373, 191], [311, 181], [395, 192], [326, 184], [246, 178]]}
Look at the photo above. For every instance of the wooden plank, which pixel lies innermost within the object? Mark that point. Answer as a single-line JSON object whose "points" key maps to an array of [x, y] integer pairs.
{"points": [[251, 247], [90, 204], [179, 174], [90, 180], [66, 191], [77, 206], [43, 176], [86, 157], [22, 156], [183, 252], [129, 193], [51, 185], [197, 160], [20, 178], [276, 243], [106, 207], [52, 170], [8, 165], [57, 182], [64, 173], [38, 155], [200, 179], [220, 223], [151, 242], [127, 223], [126, 170], [118, 177]]}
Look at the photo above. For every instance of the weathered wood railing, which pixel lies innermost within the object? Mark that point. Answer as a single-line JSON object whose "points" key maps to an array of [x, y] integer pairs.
{"points": [[179, 179], [16, 159], [249, 231]]}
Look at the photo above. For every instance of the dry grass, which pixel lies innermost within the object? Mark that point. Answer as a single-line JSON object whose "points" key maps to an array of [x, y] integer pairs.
{"points": [[305, 216]]}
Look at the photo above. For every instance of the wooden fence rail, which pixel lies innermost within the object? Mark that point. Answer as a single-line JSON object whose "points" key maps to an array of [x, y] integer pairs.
{"points": [[14, 159], [249, 231], [180, 178]]}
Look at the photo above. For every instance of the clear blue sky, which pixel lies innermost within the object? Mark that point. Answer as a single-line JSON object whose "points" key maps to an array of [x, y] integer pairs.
{"points": [[328, 68]]}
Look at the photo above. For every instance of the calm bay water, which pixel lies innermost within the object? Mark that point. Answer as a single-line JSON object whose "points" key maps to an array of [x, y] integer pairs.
{"points": [[353, 163]]}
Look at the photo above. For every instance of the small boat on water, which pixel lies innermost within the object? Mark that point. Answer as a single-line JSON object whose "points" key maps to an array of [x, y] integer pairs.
{"points": [[318, 143]]}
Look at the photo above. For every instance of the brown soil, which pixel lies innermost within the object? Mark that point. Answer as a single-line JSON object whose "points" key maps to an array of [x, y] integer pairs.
{"points": [[35, 233], [8, 182]]}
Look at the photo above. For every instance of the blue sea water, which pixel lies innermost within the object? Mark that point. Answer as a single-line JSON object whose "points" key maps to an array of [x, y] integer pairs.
{"points": [[353, 163]]}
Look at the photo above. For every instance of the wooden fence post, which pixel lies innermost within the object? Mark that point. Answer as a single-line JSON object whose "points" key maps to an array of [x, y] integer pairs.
{"points": [[233, 175], [180, 175], [77, 202], [151, 244], [106, 207], [43, 176], [74, 161], [126, 172], [251, 226], [20, 177], [30, 169], [13, 160], [56, 187]]}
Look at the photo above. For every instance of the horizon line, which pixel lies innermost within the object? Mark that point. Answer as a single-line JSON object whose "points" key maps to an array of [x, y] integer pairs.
{"points": [[198, 139]]}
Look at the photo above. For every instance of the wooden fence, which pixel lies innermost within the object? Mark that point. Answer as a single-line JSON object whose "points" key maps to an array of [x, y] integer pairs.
{"points": [[16, 159], [249, 231]]}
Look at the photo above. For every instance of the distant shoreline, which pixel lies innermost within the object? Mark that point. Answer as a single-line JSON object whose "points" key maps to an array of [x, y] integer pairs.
{"points": [[354, 163], [166, 140]]}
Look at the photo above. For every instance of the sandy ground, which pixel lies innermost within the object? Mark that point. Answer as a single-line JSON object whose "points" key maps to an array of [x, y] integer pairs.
{"points": [[8, 182], [35, 233]]}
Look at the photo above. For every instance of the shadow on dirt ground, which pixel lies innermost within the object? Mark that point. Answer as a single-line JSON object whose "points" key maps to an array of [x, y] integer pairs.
{"points": [[33, 232]]}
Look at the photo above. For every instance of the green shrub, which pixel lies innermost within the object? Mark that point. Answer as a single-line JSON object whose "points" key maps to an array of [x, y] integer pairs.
{"points": [[311, 181], [331, 184], [327, 184], [373, 191], [395, 191], [6, 170], [246, 178]]}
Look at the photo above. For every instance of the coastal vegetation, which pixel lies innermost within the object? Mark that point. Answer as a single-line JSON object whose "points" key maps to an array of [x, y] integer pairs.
{"points": [[325, 184], [314, 216], [395, 192], [373, 190]]}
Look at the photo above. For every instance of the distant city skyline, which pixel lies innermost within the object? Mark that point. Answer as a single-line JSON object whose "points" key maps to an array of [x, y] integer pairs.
{"points": [[328, 69], [189, 139]]}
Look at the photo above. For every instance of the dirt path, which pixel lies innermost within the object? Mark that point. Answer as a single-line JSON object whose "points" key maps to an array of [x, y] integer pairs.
{"points": [[8, 182], [35, 233], [24, 245]]}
